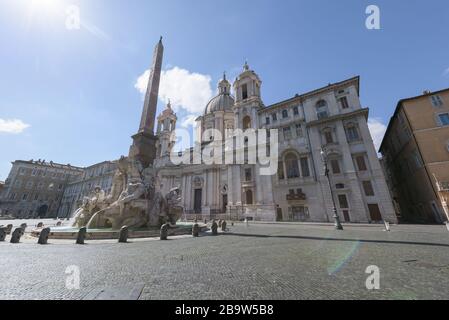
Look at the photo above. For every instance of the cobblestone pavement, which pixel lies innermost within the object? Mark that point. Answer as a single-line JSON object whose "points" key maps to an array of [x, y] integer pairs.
{"points": [[262, 261]]}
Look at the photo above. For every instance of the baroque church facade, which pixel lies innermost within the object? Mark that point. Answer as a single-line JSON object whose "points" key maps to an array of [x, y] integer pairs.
{"points": [[325, 126], [328, 124]]}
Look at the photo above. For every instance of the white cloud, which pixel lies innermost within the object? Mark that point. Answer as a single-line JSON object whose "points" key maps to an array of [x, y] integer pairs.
{"points": [[14, 126], [187, 90], [377, 129], [189, 121]]}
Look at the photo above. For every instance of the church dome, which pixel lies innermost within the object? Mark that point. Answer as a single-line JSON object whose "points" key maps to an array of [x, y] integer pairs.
{"points": [[223, 101]]}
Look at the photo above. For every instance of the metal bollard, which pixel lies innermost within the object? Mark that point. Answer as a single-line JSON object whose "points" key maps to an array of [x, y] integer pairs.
{"points": [[16, 235], [214, 228], [196, 230], [164, 232], [43, 236], [81, 235], [123, 236], [2, 233]]}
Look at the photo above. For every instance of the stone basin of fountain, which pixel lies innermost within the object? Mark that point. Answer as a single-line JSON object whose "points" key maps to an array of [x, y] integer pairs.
{"points": [[70, 233]]}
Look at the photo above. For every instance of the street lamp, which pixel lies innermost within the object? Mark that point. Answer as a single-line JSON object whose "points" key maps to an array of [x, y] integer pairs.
{"points": [[338, 225]]}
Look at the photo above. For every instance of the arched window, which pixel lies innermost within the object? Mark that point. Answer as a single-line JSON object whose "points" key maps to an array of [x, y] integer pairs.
{"points": [[322, 110], [246, 122], [291, 164]]}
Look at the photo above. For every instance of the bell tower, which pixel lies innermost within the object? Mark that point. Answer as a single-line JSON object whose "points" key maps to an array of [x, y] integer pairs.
{"points": [[166, 124]]}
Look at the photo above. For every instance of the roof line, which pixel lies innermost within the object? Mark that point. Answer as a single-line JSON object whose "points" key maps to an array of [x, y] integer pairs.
{"points": [[398, 106], [331, 85]]}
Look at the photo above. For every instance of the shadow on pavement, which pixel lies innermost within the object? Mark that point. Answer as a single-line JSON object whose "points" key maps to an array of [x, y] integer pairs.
{"points": [[336, 239]]}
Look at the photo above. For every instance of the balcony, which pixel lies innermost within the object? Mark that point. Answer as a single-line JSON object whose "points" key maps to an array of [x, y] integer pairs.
{"points": [[298, 196]]}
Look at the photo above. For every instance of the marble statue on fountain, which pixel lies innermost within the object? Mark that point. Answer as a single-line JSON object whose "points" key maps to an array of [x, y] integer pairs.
{"points": [[135, 201]]}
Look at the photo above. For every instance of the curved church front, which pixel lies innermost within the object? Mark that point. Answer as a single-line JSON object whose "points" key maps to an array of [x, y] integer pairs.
{"points": [[329, 118]]}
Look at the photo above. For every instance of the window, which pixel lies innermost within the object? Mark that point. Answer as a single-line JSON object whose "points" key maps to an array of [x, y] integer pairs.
{"points": [[339, 186], [328, 137], [436, 101], [29, 185], [284, 114], [368, 188], [343, 201], [246, 122], [36, 196], [291, 163], [248, 175], [344, 102], [322, 109], [361, 164], [295, 111], [444, 119], [267, 120], [245, 91], [287, 133], [298, 213], [24, 196], [305, 167], [274, 117], [352, 134], [281, 170], [335, 166], [299, 130]]}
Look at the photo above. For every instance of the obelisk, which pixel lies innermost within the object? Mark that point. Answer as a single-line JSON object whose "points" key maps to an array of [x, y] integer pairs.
{"points": [[144, 141]]}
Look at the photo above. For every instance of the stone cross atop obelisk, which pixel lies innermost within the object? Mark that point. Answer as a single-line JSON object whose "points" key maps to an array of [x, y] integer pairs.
{"points": [[144, 142]]}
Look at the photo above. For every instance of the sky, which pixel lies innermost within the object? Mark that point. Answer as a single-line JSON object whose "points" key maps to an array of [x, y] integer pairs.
{"points": [[74, 95]]}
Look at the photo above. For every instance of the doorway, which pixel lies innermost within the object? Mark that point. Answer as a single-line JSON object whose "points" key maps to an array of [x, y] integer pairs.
{"points": [[249, 197], [225, 203], [197, 200], [374, 212], [42, 211]]}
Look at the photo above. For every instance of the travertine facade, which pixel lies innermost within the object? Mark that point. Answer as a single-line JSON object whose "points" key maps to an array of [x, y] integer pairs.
{"points": [[329, 118], [415, 152], [35, 188]]}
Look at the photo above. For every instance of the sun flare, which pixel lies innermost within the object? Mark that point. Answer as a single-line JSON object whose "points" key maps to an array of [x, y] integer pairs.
{"points": [[47, 7]]}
